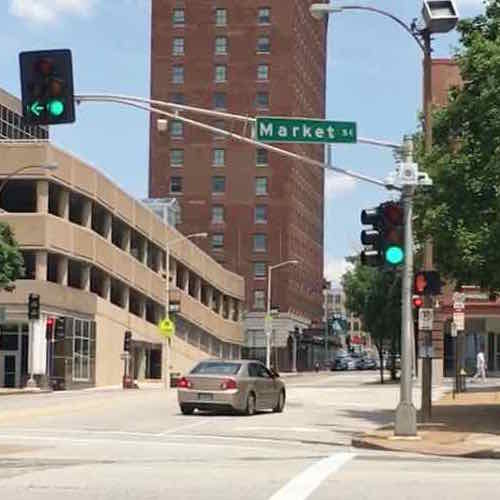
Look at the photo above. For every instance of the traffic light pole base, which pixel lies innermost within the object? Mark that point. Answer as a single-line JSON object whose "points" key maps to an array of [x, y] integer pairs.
{"points": [[406, 420]]}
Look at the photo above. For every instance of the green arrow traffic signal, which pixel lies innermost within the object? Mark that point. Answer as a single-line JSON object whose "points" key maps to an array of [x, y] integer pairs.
{"points": [[36, 108]]}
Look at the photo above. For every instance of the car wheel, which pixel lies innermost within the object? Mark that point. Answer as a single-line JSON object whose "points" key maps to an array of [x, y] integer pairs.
{"points": [[187, 410], [250, 408], [280, 405]]}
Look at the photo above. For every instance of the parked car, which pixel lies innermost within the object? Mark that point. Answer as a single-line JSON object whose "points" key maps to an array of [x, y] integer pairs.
{"points": [[244, 386], [397, 362], [340, 362], [351, 363]]}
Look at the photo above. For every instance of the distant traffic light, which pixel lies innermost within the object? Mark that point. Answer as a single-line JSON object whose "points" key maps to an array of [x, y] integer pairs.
{"points": [[384, 242], [427, 283], [127, 341], [47, 87], [34, 306]]}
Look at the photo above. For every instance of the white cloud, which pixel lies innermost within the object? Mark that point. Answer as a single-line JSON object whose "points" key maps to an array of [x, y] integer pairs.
{"points": [[338, 184], [48, 11], [335, 267]]}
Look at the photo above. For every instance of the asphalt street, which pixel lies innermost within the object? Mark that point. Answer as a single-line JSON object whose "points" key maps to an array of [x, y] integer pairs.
{"points": [[135, 444]]}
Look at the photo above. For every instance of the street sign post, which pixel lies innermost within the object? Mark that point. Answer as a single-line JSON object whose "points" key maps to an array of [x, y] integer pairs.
{"points": [[304, 130]]}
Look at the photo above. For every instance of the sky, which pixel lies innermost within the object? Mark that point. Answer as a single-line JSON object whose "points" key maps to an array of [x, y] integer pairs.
{"points": [[374, 78]]}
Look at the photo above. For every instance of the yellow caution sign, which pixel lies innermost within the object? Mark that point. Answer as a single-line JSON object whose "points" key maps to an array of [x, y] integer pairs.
{"points": [[166, 327]]}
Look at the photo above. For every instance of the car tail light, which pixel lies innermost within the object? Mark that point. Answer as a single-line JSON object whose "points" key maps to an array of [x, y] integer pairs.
{"points": [[184, 383], [228, 383]]}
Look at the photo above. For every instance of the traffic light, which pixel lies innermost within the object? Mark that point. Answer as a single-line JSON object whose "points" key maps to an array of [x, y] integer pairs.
{"points": [[127, 341], [47, 87], [60, 328], [385, 240], [427, 283], [34, 306], [418, 301]]}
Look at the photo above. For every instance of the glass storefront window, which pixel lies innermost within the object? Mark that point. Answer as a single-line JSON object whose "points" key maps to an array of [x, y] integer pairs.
{"points": [[81, 350]]}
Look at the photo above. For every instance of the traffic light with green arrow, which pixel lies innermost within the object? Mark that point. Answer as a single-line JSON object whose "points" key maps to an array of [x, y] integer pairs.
{"points": [[47, 87]]}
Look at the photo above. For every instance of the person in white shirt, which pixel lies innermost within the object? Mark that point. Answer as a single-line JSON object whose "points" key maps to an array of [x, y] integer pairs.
{"points": [[480, 366]]}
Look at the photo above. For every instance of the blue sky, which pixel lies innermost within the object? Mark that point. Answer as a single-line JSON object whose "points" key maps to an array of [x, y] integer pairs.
{"points": [[374, 78]]}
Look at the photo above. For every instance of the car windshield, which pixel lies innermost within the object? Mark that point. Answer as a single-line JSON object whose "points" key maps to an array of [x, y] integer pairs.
{"points": [[214, 368]]}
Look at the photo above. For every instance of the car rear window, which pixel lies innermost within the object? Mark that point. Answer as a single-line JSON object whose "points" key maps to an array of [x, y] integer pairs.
{"points": [[206, 368]]}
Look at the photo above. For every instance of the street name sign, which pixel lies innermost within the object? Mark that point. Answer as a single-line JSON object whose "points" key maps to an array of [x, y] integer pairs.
{"points": [[304, 130]]}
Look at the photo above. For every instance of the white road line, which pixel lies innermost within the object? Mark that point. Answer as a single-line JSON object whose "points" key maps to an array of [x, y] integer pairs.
{"points": [[303, 485]]}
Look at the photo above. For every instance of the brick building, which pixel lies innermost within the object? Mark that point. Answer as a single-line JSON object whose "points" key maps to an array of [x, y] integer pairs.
{"points": [[246, 57]]}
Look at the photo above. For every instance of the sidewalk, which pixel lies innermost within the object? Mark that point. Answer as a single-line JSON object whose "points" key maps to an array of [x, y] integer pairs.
{"points": [[467, 426]]}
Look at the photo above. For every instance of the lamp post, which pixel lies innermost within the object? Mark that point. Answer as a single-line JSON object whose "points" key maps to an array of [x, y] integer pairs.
{"points": [[4, 182], [166, 341], [439, 17], [267, 322]]}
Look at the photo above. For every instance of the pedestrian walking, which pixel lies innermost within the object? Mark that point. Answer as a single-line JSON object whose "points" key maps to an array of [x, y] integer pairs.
{"points": [[480, 366]]}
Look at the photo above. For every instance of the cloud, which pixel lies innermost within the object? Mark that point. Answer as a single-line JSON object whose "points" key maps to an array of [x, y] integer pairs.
{"points": [[334, 269], [338, 184], [47, 11]]}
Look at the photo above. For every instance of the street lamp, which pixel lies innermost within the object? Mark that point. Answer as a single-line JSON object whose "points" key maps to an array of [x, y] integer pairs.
{"points": [[48, 168], [440, 16], [166, 342], [268, 308]]}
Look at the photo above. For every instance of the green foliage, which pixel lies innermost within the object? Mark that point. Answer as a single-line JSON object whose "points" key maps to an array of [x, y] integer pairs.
{"points": [[11, 260], [461, 211], [375, 296]]}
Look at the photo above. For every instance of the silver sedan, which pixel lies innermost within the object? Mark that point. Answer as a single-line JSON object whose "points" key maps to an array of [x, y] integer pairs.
{"points": [[241, 385]]}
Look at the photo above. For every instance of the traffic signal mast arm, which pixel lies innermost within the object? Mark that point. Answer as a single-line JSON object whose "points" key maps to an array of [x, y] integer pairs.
{"points": [[143, 104]]}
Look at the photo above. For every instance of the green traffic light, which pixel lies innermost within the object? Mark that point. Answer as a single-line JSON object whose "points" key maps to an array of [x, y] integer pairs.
{"points": [[55, 107], [394, 255]]}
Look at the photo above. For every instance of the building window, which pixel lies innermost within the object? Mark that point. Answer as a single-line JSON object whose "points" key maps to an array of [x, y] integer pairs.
{"points": [[219, 100], [338, 299], [178, 17], [261, 214], [217, 214], [177, 98], [178, 74], [176, 157], [261, 186], [176, 129], [220, 125], [221, 45], [220, 73], [260, 243], [262, 157], [218, 241], [218, 184], [220, 17], [263, 45], [262, 100], [264, 15], [176, 185], [259, 269], [259, 299], [263, 72], [81, 350], [178, 46], [219, 156]]}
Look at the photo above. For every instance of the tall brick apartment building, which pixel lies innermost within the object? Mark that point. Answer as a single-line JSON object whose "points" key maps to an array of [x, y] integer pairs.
{"points": [[255, 57]]}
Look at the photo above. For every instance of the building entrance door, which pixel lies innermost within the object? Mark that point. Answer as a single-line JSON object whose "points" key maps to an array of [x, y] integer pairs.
{"points": [[9, 373]]}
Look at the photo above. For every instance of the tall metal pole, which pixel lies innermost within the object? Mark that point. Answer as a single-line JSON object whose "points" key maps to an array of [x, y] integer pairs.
{"points": [[166, 344], [267, 321], [426, 405], [406, 414]]}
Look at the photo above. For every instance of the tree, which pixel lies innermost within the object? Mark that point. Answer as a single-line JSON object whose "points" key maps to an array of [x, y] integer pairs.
{"points": [[11, 260], [375, 296], [461, 211]]}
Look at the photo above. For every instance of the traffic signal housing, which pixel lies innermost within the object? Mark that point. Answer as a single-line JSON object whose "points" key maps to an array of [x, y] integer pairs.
{"points": [[34, 306], [418, 301], [384, 242], [47, 87], [127, 341], [427, 283]]}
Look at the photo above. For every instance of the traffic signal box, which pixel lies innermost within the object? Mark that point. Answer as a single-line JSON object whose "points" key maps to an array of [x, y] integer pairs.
{"points": [[127, 341], [47, 87], [427, 283], [384, 242], [34, 306]]}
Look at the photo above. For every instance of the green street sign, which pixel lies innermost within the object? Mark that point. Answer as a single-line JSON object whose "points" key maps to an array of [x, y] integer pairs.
{"points": [[304, 130]]}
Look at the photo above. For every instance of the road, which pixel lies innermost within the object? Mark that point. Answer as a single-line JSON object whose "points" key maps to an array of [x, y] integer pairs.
{"points": [[114, 444]]}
